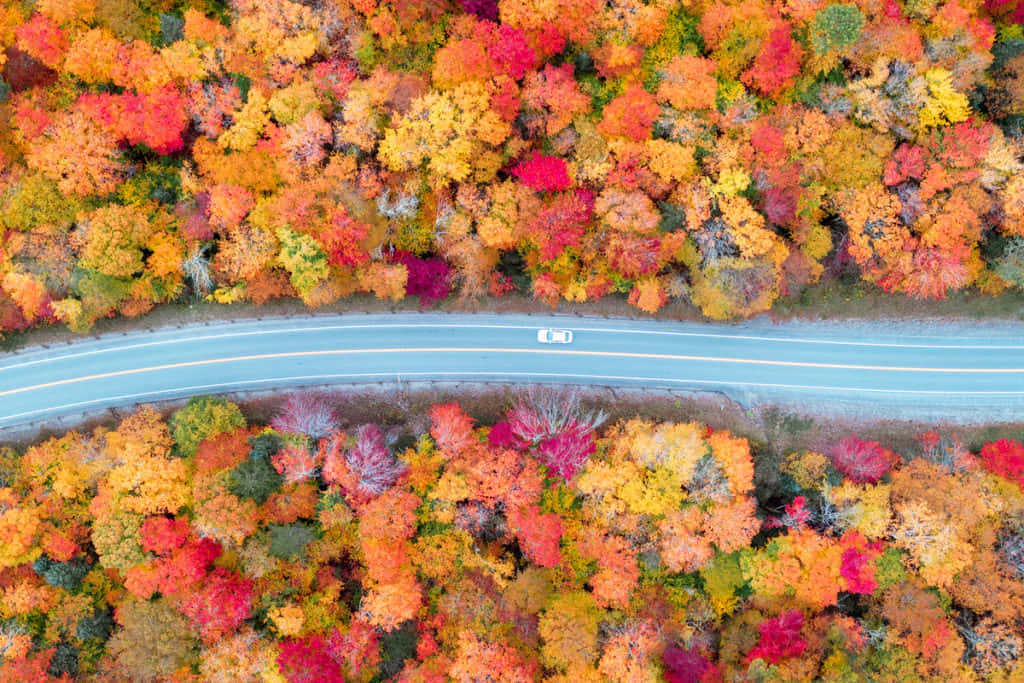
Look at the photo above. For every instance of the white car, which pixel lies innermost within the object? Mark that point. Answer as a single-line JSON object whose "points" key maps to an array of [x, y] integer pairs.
{"points": [[549, 336]]}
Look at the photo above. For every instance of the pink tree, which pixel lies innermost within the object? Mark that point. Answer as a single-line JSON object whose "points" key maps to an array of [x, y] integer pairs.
{"points": [[306, 414], [365, 469], [559, 428], [429, 278]]}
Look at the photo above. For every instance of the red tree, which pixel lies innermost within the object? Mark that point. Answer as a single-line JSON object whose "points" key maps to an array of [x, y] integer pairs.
{"points": [[685, 666], [163, 535], [511, 52], [356, 649], [366, 469], [1005, 458], [780, 638], [308, 660], [566, 453], [155, 119], [538, 534], [501, 436], [429, 278], [777, 64], [220, 605], [340, 239], [543, 173], [864, 462], [562, 222]]}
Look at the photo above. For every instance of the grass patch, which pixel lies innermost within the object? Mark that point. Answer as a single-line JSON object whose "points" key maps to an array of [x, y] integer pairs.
{"points": [[850, 298]]}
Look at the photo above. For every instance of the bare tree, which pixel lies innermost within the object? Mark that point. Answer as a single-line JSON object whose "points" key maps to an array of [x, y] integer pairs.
{"points": [[403, 206], [197, 269]]}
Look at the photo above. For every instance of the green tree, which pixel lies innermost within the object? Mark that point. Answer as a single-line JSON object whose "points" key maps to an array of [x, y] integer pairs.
{"points": [[203, 417], [255, 478], [1010, 264], [304, 259], [836, 27]]}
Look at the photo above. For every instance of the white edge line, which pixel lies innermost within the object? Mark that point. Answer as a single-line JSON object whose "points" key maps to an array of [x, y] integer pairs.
{"points": [[498, 374], [711, 335]]}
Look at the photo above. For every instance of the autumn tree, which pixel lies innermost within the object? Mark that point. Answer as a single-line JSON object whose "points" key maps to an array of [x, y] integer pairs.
{"points": [[152, 640], [306, 414], [78, 155], [220, 606], [147, 479], [552, 99], [455, 133], [862, 461], [568, 629], [201, 418], [630, 115], [362, 467], [110, 240]]}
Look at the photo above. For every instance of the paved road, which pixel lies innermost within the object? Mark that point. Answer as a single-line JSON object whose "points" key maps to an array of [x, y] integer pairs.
{"points": [[945, 373]]}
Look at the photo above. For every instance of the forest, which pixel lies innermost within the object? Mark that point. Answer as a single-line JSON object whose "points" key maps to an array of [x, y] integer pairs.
{"points": [[727, 154], [720, 152], [551, 544]]}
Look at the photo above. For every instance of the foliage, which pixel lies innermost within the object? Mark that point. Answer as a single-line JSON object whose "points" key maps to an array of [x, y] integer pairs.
{"points": [[67, 575], [1005, 458], [362, 467], [780, 637], [201, 418], [864, 462], [306, 414], [429, 279], [220, 606], [288, 541], [656, 151], [836, 27], [255, 477], [466, 557], [153, 639]]}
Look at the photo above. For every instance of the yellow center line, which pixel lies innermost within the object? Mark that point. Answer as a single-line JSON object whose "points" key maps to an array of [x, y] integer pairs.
{"points": [[567, 352]]}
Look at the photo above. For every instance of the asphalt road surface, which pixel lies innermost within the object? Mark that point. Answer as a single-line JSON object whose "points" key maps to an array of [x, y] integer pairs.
{"points": [[945, 373]]}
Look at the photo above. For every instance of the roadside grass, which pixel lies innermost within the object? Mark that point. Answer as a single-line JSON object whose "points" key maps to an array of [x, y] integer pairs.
{"points": [[841, 298], [845, 297]]}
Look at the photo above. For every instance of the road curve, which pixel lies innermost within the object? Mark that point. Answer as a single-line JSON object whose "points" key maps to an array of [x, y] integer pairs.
{"points": [[945, 374]]}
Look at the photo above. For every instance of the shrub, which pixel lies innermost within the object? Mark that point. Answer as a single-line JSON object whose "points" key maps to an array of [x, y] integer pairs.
{"points": [[1005, 458]]}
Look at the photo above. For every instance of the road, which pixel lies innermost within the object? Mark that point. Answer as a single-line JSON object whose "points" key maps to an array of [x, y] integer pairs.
{"points": [[945, 373]]}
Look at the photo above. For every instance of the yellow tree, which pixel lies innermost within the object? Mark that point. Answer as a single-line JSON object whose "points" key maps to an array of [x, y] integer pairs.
{"points": [[455, 133], [110, 240], [568, 629], [147, 479]]}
